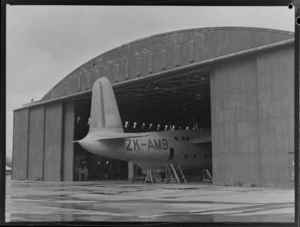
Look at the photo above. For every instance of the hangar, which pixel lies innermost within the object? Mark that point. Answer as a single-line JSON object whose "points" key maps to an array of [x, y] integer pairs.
{"points": [[238, 81]]}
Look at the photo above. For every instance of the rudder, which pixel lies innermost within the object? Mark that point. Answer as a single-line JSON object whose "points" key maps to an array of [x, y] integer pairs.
{"points": [[104, 108]]}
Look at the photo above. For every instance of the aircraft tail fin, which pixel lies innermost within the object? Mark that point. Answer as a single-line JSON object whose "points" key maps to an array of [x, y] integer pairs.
{"points": [[104, 109]]}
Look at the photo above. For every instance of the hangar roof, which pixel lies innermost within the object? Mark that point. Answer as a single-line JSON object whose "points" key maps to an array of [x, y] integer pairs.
{"points": [[173, 62]]}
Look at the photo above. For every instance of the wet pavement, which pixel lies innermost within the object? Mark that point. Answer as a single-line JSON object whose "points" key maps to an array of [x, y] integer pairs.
{"points": [[122, 201]]}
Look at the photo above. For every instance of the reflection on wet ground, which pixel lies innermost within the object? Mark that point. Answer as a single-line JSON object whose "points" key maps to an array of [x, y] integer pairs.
{"points": [[36, 201]]}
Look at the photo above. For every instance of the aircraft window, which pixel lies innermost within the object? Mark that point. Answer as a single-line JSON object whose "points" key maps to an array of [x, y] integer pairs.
{"points": [[194, 155], [176, 138], [205, 156], [183, 138], [187, 138], [185, 156], [158, 127], [143, 127], [151, 127]]}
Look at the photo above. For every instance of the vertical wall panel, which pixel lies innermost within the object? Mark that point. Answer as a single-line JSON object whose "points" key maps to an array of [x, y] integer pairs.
{"points": [[36, 143], [95, 75], [163, 55], [138, 66], [79, 83], [20, 145], [88, 80], [156, 61], [235, 123], [53, 142], [275, 76], [126, 76], [176, 56], [252, 119], [143, 64], [68, 149], [150, 63], [83, 81], [116, 73], [191, 51], [107, 72]]}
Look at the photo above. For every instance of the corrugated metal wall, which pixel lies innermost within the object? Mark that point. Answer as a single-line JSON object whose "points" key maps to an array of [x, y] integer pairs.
{"points": [[275, 73], [68, 149], [43, 147], [235, 123], [36, 143], [53, 141], [20, 145], [252, 119]]}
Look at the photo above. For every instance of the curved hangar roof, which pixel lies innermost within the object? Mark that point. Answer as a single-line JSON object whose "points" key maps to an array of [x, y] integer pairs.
{"points": [[162, 54], [165, 73]]}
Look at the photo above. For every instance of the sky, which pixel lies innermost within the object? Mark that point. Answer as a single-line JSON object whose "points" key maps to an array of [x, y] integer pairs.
{"points": [[46, 43]]}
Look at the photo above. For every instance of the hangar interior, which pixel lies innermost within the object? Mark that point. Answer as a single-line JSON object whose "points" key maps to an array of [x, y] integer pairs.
{"points": [[176, 102], [180, 101], [237, 81]]}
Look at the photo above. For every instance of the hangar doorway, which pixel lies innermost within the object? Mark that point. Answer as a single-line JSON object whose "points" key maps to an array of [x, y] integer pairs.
{"points": [[180, 101], [99, 168], [168, 102]]}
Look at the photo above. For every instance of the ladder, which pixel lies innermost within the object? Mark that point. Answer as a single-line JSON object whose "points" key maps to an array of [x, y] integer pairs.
{"points": [[152, 177], [149, 178], [181, 174], [174, 174], [207, 177]]}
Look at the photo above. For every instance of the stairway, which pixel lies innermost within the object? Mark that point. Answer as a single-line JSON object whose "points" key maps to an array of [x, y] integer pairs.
{"points": [[153, 177], [207, 177], [174, 174]]}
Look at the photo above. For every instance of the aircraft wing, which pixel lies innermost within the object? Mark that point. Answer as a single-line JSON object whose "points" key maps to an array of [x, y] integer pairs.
{"points": [[199, 139]]}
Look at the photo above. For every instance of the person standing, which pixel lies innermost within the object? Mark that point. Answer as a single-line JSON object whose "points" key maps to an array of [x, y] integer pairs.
{"points": [[83, 171], [107, 173], [100, 173]]}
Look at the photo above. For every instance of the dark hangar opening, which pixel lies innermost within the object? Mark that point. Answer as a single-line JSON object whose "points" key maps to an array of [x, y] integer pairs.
{"points": [[174, 102], [179, 101]]}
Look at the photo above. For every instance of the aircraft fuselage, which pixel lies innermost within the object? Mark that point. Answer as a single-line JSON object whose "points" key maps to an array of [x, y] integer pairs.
{"points": [[150, 150], [156, 150]]}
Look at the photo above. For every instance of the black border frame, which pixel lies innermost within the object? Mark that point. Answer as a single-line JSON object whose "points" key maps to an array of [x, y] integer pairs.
{"points": [[296, 113], [287, 3]]}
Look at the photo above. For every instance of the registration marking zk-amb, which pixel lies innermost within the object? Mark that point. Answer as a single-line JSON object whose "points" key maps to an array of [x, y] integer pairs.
{"points": [[152, 144]]}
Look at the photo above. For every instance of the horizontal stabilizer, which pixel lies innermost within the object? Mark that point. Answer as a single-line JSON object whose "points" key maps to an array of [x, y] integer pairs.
{"points": [[108, 136], [122, 136]]}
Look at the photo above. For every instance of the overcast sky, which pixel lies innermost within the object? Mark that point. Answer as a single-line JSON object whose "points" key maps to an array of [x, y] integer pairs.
{"points": [[45, 43]]}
